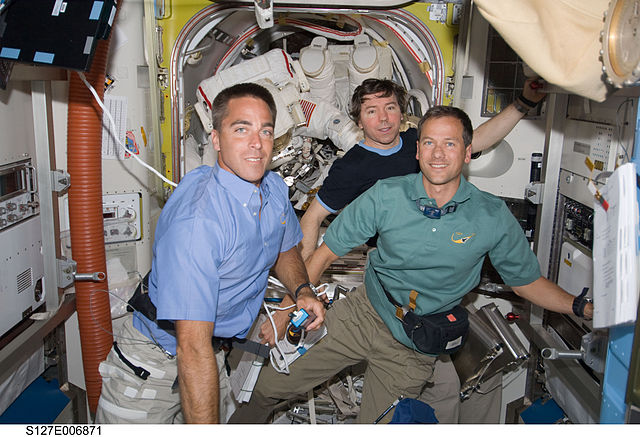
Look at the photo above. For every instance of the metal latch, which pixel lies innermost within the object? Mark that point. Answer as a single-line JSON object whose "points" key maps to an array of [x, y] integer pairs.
{"points": [[60, 180], [533, 192], [264, 13]]}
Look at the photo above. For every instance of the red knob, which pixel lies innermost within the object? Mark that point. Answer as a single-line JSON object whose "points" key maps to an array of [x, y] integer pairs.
{"points": [[512, 317]]}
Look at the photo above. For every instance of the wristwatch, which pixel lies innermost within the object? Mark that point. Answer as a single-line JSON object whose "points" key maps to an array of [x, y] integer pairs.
{"points": [[579, 302], [521, 107], [301, 286]]}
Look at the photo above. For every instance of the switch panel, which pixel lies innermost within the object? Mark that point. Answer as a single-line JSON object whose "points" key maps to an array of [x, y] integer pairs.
{"points": [[122, 217]]}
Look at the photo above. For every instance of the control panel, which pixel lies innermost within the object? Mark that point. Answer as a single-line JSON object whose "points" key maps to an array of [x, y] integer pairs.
{"points": [[122, 217], [587, 139], [18, 193]]}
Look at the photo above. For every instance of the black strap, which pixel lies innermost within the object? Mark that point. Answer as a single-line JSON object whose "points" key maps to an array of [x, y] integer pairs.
{"points": [[139, 371], [251, 346], [579, 302], [436, 213], [391, 299], [301, 286]]}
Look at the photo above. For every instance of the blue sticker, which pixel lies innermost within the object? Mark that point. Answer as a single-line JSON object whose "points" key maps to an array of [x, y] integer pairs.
{"points": [[8, 52], [44, 57], [95, 10]]}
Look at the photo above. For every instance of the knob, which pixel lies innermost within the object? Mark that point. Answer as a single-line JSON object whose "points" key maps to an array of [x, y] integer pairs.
{"points": [[11, 206], [512, 317]]}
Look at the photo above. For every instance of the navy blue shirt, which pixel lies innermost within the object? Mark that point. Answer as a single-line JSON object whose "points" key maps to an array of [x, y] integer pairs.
{"points": [[363, 166]]}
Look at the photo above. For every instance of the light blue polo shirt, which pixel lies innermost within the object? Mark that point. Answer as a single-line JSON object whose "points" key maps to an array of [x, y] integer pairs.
{"points": [[439, 258], [213, 248]]}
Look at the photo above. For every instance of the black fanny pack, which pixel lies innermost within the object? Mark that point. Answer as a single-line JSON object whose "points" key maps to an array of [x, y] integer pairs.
{"points": [[433, 334]]}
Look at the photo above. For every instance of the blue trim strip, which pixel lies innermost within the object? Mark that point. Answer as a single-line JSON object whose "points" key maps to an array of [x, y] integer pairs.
{"points": [[96, 10], [324, 205], [382, 152], [43, 57], [10, 53]]}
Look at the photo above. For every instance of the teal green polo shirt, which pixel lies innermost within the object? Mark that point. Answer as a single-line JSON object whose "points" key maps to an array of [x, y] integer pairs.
{"points": [[439, 258]]}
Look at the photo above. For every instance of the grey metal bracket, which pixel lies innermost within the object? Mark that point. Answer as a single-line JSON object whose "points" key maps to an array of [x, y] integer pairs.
{"points": [[533, 192], [593, 351], [66, 272], [60, 180]]}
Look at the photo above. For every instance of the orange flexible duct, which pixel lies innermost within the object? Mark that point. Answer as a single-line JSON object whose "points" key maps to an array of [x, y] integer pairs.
{"points": [[84, 163]]}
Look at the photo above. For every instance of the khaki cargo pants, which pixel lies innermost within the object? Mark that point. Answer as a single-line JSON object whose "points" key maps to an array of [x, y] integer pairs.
{"points": [[355, 334]]}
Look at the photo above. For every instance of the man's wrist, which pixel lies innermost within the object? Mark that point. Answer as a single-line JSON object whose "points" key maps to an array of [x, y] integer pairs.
{"points": [[527, 102], [580, 302], [521, 106], [301, 287]]}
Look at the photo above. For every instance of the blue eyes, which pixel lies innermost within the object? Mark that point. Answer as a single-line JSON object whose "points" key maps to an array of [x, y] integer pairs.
{"points": [[431, 143], [242, 130]]}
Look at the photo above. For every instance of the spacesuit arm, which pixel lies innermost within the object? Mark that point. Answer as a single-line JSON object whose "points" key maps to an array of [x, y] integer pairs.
{"points": [[548, 295], [310, 224], [496, 128], [197, 372]]}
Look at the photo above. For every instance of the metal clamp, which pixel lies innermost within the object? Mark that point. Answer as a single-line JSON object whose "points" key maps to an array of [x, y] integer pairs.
{"points": [[67, 274], [593, 351], [90, 277]]}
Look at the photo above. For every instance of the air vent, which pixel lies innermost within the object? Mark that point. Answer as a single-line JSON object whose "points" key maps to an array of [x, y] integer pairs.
{"points": [[24, 280]]}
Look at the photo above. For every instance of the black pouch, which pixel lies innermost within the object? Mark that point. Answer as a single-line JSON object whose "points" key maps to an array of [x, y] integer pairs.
{"points": [[440, 333], [140, 300]]}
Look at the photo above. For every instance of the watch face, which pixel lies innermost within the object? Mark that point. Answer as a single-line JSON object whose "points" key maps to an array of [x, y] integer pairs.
{"points": [[621, 42]]}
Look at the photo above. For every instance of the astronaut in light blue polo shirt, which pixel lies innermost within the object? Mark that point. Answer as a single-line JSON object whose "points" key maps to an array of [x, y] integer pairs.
{"points": [[218, 236]]}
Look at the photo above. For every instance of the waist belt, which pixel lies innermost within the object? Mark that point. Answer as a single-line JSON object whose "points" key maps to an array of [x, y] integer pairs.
{"points": [[141, 302], [400, 310]]}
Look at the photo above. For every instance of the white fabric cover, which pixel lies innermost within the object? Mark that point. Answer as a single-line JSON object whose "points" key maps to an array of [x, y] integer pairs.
{"points": [[558, 39]]}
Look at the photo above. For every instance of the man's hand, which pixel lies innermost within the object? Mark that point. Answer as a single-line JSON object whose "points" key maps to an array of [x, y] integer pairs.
{"points": [[308, 301], [532, 90], [281, 319], [588, 311]]}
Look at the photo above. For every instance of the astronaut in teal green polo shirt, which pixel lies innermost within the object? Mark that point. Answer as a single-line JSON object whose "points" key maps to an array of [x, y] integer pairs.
{"points": [[439, 258], [434, 230]]}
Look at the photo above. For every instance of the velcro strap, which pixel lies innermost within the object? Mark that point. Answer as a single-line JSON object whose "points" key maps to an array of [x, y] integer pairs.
{"points": [[141, 372], [399, 313]]}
